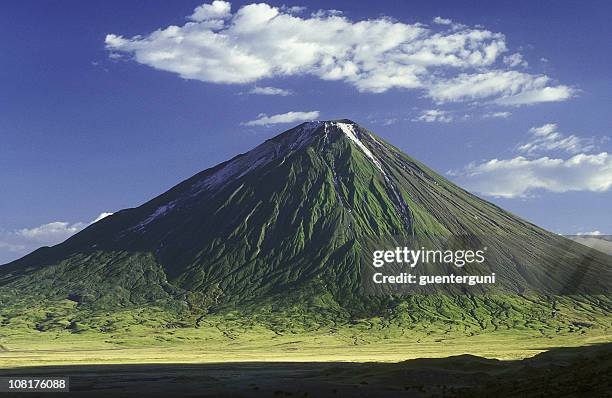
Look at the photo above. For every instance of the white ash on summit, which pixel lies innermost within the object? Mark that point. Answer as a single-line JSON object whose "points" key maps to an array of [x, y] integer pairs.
{"points": [[259, 156], [278, 147], [349, 130]]}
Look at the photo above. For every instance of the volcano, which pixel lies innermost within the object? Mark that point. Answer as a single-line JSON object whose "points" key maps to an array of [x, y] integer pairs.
{"points": [[289, 219]]}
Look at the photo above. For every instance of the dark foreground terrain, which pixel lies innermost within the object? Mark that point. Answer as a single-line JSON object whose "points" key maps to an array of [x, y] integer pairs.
{"points": [[562, 372]]}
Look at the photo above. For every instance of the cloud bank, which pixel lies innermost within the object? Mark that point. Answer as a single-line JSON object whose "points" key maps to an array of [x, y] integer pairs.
{"points": [[499, 87], [518, 177], [547, 138], [289, 117], [17, 243], [449, 62], [522, 175], [52, 232]]}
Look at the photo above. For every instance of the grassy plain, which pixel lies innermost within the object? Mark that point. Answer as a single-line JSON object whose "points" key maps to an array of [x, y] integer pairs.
{"points": [[213, 344], [444, 353], [55, 333], [207, 362]]}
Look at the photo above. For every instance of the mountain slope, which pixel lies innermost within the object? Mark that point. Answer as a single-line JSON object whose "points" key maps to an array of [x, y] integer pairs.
{"points": [[291, 217]]}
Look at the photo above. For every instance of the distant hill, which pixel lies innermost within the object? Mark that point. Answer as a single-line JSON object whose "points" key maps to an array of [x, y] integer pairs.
{"points": [[603, 243]]}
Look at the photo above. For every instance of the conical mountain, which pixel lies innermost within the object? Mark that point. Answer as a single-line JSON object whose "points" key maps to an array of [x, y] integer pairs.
{"points": [[294, 213]]}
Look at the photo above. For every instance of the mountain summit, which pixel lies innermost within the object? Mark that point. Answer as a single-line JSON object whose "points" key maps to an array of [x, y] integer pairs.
{"points": [[291, 217]]}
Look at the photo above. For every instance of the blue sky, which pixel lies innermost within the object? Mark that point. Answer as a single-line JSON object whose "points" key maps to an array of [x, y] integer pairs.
{"points": [[99, 113]]}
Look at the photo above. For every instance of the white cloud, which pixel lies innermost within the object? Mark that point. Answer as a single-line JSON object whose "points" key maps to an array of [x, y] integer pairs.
{"points": [[514, 60], [56, 231], [543, 94], [52, 232], [14, 244], [519, 177], [547, 138], [497, 115], [270, 91], [218, 10], [326, 13], [595, 233], [500, 87], [434, 115], [289, 117], [442, 21], [449, 23], [293, 9], [260, 41]]}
